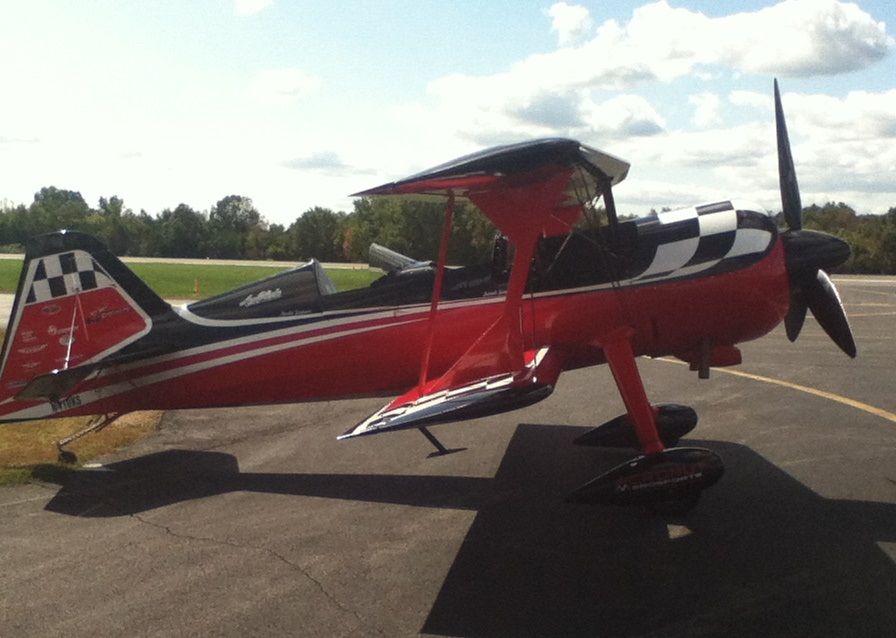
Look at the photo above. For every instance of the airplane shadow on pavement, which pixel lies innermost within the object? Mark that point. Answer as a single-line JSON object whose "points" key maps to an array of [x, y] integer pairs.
{"points": [[761, 555]]}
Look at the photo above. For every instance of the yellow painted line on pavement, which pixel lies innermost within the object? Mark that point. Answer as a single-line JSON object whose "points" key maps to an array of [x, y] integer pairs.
{"points": [[858, 405], [871, 314]]}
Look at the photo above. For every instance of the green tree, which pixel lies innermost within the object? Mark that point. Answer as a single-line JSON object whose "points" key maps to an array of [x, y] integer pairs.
{"points": [[55, 209], [180, 232], [229, 222], [316, 233], [106, 223], [278, 243], [14, 225]]}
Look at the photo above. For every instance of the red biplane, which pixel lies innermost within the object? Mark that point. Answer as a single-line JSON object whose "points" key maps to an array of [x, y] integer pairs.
{"points": [[86, 336]]}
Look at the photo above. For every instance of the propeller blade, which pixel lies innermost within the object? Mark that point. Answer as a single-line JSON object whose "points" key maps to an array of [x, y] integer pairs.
{"points": [[790, 191], [826, 307], [796, 315]]}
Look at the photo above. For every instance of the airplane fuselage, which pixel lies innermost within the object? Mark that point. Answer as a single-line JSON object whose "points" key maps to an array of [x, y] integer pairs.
{"points": [[687, 282]]}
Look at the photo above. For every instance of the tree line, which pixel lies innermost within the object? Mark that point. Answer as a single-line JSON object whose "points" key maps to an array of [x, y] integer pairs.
{"points": [[234, 229]]}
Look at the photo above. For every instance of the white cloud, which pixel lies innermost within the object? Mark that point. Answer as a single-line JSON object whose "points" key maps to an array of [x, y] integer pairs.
{"points": [[624, 116], [798, 37], [793, 37], [570, 21], [860, 115], [18, 140], [250, 7], [320, 161], [279, 86], [706, 109], [638, 195], [845, 144], [559, 92], [750, 99], [807, 37], [844, 149]]}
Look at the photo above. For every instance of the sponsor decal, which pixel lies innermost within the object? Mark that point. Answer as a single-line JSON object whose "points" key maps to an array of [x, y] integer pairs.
{"points": [[58, 405], [262, 297], [27, 336], [660, 477], [66, 340], [104, 312], [53, 330], [50, 309], [32, 349], [30, 365]]}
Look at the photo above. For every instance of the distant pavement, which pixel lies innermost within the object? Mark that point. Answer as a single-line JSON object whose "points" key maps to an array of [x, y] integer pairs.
{"points": [[220, 262]]}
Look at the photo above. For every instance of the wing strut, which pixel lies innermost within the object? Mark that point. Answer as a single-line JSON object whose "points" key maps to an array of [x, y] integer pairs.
{"points": [[433, 312], [437, 290], [609, 202]]}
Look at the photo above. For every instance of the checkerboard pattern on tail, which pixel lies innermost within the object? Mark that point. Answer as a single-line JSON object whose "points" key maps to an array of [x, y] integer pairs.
{"points": [[65, 274]]}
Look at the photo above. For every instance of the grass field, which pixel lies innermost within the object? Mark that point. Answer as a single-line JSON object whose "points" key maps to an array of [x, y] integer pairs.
{"points": [[179, 281], [28, 450]]}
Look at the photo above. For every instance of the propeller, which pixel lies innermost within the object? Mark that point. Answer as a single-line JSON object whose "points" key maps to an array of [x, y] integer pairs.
{"points": [[808, 253]]}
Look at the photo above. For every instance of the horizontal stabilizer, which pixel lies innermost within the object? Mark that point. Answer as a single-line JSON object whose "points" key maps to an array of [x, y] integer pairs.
{"points": [[388, 260], [59, 383], [55, 384], [483, 397]]}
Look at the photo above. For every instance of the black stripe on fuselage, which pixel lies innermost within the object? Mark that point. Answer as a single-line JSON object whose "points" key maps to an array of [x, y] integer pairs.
{"points": [[712, 247], [718, 207], [658, 233]]}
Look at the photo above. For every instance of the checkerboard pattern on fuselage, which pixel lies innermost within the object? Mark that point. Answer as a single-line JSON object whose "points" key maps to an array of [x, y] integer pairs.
{"points": [[706, 236]]}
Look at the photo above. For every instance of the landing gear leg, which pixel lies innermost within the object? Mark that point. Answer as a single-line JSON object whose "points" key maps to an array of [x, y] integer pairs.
{"points": [[628, 379], [668, 481], [96, 424]]}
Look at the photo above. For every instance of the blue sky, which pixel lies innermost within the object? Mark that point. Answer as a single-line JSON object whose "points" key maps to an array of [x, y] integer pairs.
{"points": [[297, 104]]}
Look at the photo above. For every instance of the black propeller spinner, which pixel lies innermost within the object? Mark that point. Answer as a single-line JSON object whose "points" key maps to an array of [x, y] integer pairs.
{"points": [[808, 253]]}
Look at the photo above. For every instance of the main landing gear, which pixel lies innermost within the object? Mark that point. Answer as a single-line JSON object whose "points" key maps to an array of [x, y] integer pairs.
{"points": [[96, 424], [668, 480]]}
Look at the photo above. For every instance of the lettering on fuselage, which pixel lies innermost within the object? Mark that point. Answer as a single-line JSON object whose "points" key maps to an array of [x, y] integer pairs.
{"points": [[58, 405], [262, 297]]}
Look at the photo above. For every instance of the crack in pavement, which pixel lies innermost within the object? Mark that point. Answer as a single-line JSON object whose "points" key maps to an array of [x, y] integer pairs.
{"points": [[280, 557], [104, 501]]}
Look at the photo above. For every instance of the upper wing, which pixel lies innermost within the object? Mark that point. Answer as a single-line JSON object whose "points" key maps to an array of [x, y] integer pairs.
{"points": [[585, 172], [485, 168]]}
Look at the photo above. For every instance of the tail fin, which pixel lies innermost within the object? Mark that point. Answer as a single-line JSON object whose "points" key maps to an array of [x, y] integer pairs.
{"points": [[76, 304]]}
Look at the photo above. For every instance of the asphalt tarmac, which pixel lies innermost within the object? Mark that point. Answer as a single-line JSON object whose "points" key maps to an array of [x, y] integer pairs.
{"points": [[258, 522]]}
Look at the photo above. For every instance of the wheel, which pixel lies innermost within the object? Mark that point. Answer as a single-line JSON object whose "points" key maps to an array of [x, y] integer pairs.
{"points": [[676, 506], [68, 458]]}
